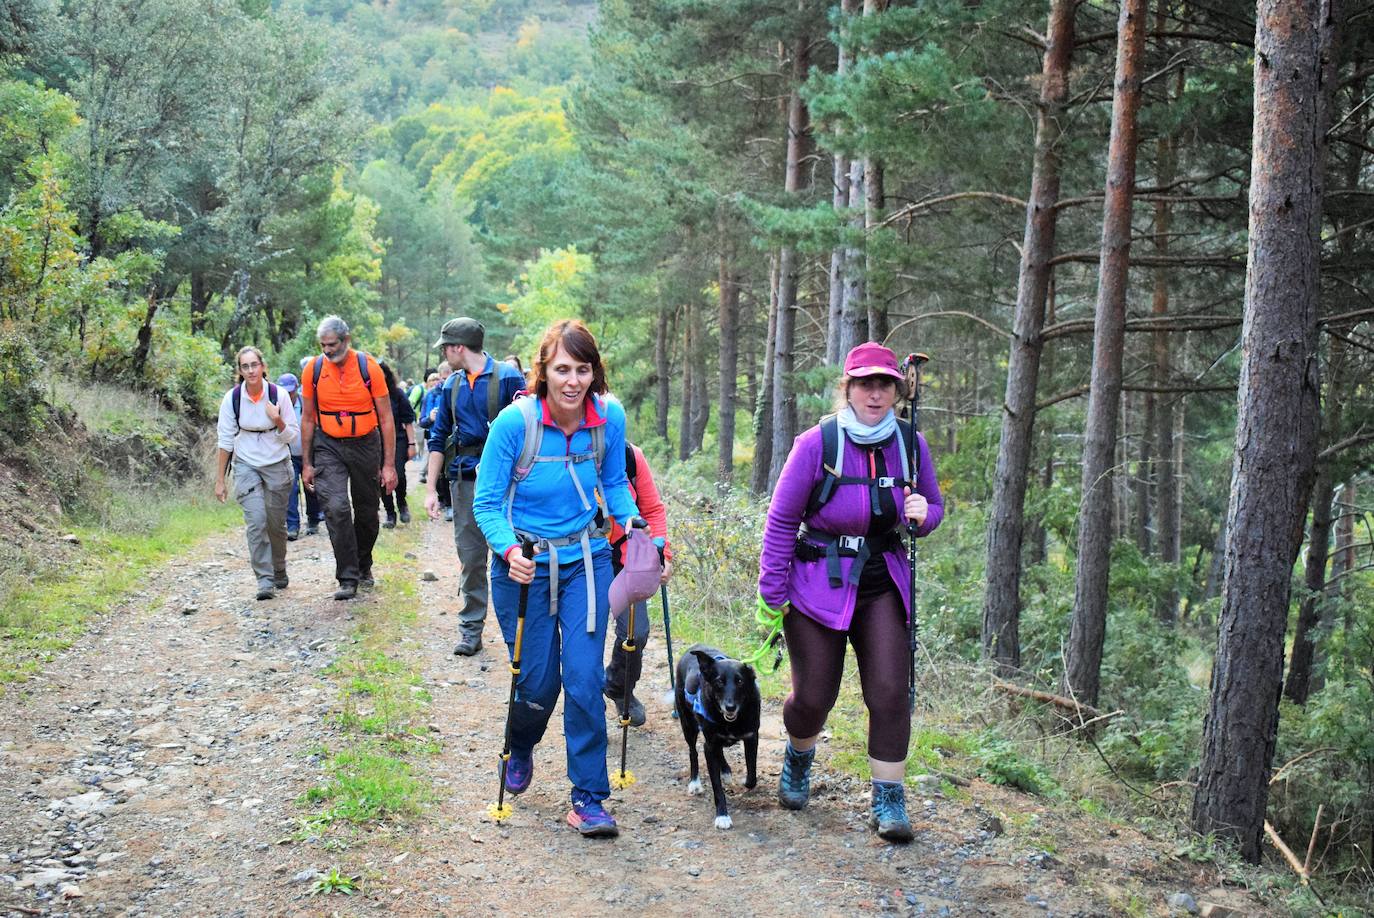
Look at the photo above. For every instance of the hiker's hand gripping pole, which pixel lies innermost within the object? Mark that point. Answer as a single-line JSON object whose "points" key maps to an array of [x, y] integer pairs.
{"points": [[501, 810], [911, 368]]}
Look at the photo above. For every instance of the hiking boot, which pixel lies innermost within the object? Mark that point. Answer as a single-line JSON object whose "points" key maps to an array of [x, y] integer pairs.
{"points": [[636, 707], [390, 521], [794, 784], [347, 590], [468, 645], [281, 581], [292, 535], [405, 514], [591, 819], [266, 592], [365, 582], [448, 514], [312, 529], [889, 811], [519, 772]]}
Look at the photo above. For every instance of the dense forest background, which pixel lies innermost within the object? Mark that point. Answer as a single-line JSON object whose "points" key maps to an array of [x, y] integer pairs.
{"points": [[733, 193]]}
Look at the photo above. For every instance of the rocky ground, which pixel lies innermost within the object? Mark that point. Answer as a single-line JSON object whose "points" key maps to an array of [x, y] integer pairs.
{"points": [[155, 769]]}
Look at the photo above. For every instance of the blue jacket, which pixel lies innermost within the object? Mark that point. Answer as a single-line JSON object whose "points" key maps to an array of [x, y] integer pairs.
{"points": [[546, 503], [472, 409]]}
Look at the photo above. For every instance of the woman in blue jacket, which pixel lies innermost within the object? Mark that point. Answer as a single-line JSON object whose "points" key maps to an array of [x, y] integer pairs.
{"points": [[545, 459]]}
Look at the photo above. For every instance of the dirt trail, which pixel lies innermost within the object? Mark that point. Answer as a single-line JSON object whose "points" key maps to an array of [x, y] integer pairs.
{"points": [[153, 770]]}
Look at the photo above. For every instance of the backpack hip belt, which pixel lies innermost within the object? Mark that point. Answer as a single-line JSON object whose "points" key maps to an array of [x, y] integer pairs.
{"points": [[544, 545], [813, 545]]}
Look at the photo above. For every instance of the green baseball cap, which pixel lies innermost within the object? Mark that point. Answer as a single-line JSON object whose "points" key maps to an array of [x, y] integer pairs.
{"points": [[465, 331]]}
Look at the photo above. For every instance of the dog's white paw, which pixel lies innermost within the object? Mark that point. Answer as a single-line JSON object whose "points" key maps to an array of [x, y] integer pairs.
{"points": [[694, 787], [723, 822]]}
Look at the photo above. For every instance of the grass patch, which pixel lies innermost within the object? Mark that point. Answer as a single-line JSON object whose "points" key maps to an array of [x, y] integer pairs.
{"points": [[39, 620], [379, 722]]}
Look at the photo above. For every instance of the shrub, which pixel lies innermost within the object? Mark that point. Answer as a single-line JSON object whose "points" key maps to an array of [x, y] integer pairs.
{"points": [[21, 386]]}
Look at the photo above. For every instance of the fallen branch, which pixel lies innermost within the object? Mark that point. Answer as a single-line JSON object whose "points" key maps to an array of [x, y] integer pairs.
{"points": [[1288, 854], [1295, 760], [1060, 701]]}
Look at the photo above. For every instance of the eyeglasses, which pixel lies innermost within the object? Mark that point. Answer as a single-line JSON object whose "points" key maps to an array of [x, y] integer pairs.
{"points": [[250, 366]]}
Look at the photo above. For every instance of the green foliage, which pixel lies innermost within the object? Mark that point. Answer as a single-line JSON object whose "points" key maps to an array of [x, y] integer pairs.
{"points": [[21, 387], [335, 881], [552, 286]]}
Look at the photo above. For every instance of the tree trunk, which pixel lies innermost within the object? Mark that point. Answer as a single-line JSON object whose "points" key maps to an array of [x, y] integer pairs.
{"points": [[1083, 657], [1144, 519], [701, 403], [685, 423], [836, 332], [1299, 680], [1276, 428], [729, 283], [664, 400], [200, 301], [873, 215], [763, 406], [139, 358], [1164, 471], [1217, 570], [1001, 599], [784, 387], [853, 317]]}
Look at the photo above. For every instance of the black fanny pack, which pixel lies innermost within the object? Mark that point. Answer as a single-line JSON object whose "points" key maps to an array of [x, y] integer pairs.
{"points": [[813, 545]]}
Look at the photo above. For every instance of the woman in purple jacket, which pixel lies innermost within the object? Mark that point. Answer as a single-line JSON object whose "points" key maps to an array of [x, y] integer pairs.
{"points": [[833, 558]]}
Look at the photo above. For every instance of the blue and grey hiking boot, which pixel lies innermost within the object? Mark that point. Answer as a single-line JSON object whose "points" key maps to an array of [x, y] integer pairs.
{"points": [[590, 818], [889, 811], [794, 784], [519, 772]]}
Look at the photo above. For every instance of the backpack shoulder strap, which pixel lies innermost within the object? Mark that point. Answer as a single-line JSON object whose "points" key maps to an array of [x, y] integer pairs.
{"points": [[832, 464], [494, 392], [272, 393], [315, 369], [362, 369], [236, 398], [534, 437], [631, 466]]}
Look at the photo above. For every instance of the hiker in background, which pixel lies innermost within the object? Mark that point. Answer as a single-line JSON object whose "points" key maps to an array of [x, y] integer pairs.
{"points": [[624, 670], [415, 396], [834, 568], [429, 410], [544, 463], [290, 384], [348, 439], [515, 362], [468, 402], [404, 420], [256, 428]]}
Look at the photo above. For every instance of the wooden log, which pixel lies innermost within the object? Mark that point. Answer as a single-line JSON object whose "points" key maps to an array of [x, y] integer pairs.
{"points": [[1059, 701]]}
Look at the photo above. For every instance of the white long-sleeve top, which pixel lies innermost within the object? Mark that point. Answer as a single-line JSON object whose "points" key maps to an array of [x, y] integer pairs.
{"points": [[255, 440]]}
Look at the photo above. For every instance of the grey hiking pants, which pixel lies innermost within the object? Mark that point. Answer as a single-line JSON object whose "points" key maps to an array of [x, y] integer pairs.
{"points": [[347, 466], [472, 558], [263, 493]]}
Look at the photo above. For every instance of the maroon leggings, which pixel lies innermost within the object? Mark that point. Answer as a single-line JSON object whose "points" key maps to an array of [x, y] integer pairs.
{"points": [[878, 633]]}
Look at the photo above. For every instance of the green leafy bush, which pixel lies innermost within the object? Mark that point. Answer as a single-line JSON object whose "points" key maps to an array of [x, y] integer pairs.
{"points": [[21, 385]]}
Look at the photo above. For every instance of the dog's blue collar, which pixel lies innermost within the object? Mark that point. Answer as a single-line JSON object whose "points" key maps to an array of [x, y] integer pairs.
{"points": [[694, 699]]}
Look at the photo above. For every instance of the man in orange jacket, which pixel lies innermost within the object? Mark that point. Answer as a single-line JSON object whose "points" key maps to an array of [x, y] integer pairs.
{"points": [[344, 397]]}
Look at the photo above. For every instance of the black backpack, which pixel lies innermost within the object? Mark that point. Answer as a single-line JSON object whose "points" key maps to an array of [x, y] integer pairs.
{"points": [[832, 467]]}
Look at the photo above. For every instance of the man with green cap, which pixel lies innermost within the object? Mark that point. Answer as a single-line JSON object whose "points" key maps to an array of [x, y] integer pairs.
{"points": [[470, 400]]}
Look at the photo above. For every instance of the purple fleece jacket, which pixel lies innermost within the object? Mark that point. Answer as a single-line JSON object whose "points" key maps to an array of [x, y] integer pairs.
{"points": [[785, 578]]}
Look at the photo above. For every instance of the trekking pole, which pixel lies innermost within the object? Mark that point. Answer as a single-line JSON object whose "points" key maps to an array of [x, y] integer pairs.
{"points": [[668, 636], [624, 778], [501, 810], [912, 370]]}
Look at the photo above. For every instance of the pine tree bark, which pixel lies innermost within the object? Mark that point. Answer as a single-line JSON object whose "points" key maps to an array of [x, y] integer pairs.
{"points": [[874, 300], [784, 357], [838, 336], [1087, 634], [729, 283], [763, 406], [664, 400], [1276, 427], [1164, 471], [1001, 598], [689, 368]]}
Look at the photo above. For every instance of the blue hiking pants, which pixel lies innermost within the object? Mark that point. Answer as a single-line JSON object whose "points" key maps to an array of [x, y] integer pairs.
{"points": [[559, 653]]}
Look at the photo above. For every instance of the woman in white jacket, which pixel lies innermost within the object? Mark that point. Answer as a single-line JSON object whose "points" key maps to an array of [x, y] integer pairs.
{"points": [[257, 425]]}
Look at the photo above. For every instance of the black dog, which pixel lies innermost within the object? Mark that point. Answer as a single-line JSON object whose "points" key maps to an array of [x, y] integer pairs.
{"points": [[719, 698]]}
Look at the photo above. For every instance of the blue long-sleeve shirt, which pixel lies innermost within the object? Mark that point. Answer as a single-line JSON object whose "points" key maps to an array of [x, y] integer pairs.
{"points": [[546, 503], [472, 409]]}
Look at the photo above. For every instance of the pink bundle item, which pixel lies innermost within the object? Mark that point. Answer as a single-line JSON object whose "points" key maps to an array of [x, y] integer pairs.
{"points": [[639, 579]]}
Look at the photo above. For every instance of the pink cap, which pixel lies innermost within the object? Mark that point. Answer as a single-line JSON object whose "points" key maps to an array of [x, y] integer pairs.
{"points": [[871, 359]]}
